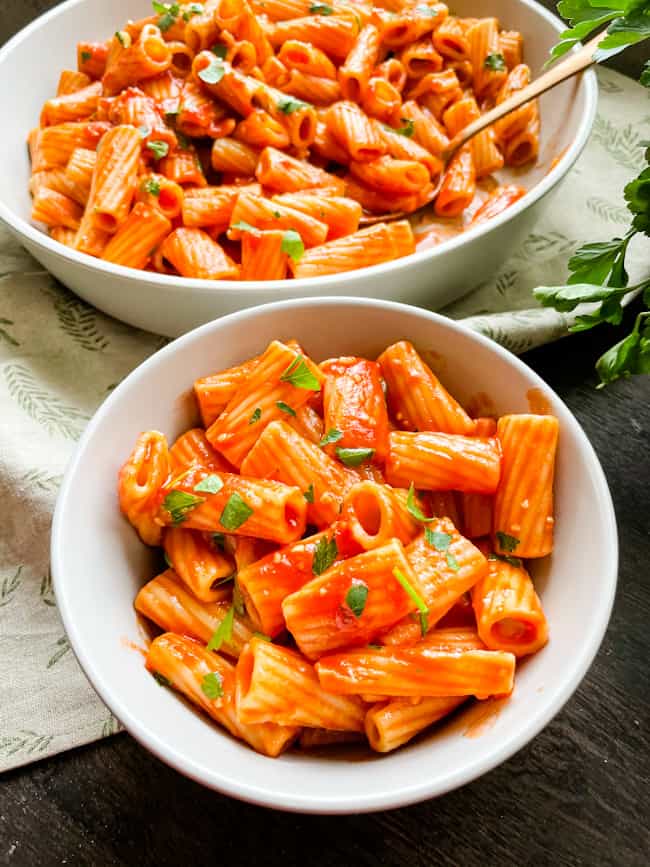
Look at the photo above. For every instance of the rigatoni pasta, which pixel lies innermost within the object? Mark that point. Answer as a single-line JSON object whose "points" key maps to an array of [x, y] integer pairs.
{"points": [[262, 132], [327, 552]]}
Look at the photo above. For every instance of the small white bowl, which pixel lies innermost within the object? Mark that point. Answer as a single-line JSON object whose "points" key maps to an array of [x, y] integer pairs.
{"points": [[30, 64], [98, 564]]}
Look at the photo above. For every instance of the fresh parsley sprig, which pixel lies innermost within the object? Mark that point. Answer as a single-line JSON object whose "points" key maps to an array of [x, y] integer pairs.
{"points": [[597, 272]]}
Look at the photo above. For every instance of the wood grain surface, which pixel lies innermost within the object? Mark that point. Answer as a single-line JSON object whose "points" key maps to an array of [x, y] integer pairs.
{"points": [[579, 794]]}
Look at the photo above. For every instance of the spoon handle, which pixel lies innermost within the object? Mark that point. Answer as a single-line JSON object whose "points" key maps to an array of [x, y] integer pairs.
{"points": [[573, 64]]}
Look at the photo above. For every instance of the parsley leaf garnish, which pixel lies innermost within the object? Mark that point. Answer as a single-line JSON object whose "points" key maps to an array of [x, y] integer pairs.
{"points": [[123, 38], [220, 50], [243, 226], [309, 493], [414, 509], [179, 504], [193, 9], [354, 457], [209, 485], [256, 416], [85, 56], [168, 14], [505, 558], [332, 436], [406, 128], [235, 513], [161, 679], [508, 543], [218, 540], [356, 598], [212, 685], [289, 104], [292, 245], [214, 72], [644, 79], [284, 407], [495, 62], [452, 562], [151, 186], [325, 554], [420, 604], [321, 9], [439, 541], [300, 376], [159, 149], [263, 637], [223, 632], [238, 600]]}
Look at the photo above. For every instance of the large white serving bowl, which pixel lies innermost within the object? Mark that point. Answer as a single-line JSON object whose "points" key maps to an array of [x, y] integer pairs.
{"points": [[30, 65], [98, 564]]}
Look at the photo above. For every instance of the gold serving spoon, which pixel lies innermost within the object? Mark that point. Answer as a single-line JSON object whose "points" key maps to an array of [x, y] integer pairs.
{"points": [[573, 64]]}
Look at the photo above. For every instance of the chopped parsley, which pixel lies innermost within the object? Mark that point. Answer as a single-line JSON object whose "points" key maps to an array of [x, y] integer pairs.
{"points": [[406, 128], [354, 457], [413, 508], [218, 540], [193, 9], [321, 9], [243, 226], [263, 637], [235, 513], [86, 56], [256, 416], [220, 50], [325, 554], [292, 245], [332, 436], [179, 504], [508, 543], [213, 73], [168, 13], [223, 632], [209, 485], [212, 685], [159, 149], [284, 407], [356, 598], [151, 186], [439, 541], [452, 562], [495, 62], [300, 376], [123, 38], [505, 558], [309, 493], [420, 604], [289, 104]]}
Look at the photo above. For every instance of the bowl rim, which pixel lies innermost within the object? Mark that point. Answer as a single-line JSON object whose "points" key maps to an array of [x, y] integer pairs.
{"points": [[262, 794], [172, 283]]}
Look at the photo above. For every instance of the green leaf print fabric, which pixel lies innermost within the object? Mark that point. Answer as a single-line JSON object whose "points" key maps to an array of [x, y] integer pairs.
{"points": [[59, 359]]}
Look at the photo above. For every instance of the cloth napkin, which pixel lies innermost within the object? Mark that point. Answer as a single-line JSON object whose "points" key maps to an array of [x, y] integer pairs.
{"points": [[59, 359]]}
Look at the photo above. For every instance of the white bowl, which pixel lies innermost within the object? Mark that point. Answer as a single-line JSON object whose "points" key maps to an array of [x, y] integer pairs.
{"points": [[98, 564], [30, 64]]}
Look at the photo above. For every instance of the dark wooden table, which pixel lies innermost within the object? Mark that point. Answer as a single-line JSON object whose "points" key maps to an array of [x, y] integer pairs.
{"points": [[579, 794]]}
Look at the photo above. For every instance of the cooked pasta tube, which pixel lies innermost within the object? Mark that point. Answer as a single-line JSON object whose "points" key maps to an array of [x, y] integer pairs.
{"points": [[447, 566], [282, 453], [440, 461], [265, 583], [73, 105], [224, 502], [355, 407], [71, 81], [412, 671], [140, 480], [215, 391], [340, 213], [263, 256], [114, 177], [351, 602], [56, 209], [198, 561], [416, 397], [208, 681], [193, 253], [523, 507], [377, 513], [282, 377], [193, 447], [265, 214], [130, 60], [56, 144], [140, 234], [277, 685], [390, 724], [355, 73], [167, 602], [509, 615], [354, 131]]}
